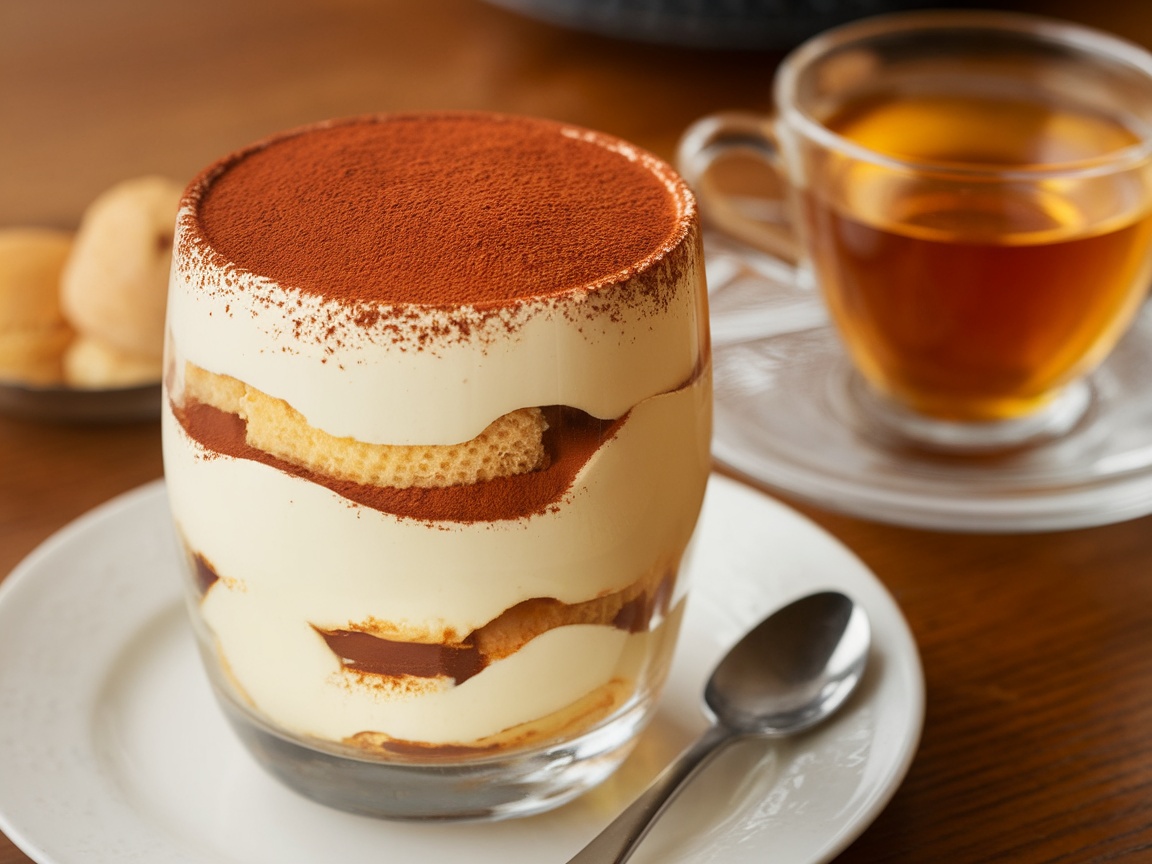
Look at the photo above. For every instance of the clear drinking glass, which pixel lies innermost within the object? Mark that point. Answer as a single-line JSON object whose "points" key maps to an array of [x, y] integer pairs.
{"points": [[436, 436]]}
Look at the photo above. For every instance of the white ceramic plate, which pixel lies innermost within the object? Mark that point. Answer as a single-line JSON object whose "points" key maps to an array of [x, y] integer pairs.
{"points": [[112, 749]]}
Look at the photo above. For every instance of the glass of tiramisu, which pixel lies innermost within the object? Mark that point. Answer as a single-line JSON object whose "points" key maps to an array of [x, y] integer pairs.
{"points": [[436, 436]]}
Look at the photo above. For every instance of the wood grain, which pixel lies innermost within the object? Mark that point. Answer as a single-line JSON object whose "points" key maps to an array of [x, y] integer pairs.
{"points": [[1036, 648]]}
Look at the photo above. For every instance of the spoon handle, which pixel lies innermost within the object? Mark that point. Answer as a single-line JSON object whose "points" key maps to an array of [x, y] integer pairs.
{"points": [[616, 843]]}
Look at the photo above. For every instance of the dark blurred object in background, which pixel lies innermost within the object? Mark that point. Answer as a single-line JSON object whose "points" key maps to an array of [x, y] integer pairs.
{"points": [[741, 24]]}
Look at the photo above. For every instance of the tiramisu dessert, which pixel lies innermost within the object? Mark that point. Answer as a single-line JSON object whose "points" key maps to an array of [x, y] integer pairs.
{"points": [[438, 405]]}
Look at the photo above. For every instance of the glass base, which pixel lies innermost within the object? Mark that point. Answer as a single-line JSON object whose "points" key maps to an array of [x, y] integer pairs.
{"points": [[791, 413], [1055, 419], [500, 787]]}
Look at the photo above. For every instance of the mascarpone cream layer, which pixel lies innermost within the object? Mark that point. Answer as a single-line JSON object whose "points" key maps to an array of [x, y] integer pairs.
{"points": [[602, 350], [318, 555], [292, 554], [308, 695]]}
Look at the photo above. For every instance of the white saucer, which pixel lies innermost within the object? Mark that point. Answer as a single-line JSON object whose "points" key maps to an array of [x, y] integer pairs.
{"points": [[112, 748]]}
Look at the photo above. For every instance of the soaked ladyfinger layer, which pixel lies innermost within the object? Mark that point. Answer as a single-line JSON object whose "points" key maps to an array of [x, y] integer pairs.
{"points": [[512, 444]]}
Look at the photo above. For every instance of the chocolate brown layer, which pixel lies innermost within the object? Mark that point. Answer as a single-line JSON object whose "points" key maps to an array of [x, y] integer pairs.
{"points": [[204, 573], [627, 610], [572, 438], [363, 652]]}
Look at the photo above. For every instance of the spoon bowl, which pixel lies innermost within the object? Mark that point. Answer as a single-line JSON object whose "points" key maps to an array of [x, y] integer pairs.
{"points": [[793, 669], [788, 673]]}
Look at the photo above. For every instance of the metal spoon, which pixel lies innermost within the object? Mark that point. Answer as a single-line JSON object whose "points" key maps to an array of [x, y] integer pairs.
{"points": [[791, 671]]}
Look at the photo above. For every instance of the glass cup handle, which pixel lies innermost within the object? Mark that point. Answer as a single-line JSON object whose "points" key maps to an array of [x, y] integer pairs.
{"points": [[721, 136]]}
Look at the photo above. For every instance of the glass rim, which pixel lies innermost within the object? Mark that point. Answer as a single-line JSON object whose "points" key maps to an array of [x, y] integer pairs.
{"points": [[1041, 29]]}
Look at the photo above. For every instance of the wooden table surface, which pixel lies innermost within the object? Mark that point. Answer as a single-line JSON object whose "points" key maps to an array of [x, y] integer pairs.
{"points": [[1037, 648]]}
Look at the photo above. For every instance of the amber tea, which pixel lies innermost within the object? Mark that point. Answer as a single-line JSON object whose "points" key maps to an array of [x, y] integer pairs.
{"points": [[977, 298]]}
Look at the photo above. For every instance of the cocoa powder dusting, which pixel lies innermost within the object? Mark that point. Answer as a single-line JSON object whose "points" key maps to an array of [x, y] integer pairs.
{"points": [[440, 210]]}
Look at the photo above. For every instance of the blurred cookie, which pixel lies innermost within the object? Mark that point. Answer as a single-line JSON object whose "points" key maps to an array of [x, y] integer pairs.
{"points": [[33, 330], [94, 364], [115, 283]]}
